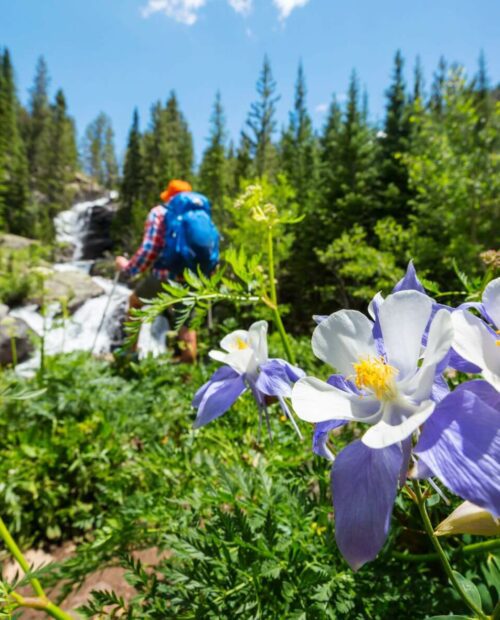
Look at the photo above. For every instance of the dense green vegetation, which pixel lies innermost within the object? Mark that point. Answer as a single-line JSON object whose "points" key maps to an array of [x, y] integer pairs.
{"points": [[422, 184], [107, 456], [103, 453]]}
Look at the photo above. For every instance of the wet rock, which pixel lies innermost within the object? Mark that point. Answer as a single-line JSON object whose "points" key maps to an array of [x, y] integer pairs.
{"points": [[97, 239], [74, 286], [17, 329]]}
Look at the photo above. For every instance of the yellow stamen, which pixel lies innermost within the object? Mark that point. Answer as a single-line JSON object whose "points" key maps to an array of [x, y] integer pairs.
{"points": [[241, 344], [375, 375], [498, 341]]}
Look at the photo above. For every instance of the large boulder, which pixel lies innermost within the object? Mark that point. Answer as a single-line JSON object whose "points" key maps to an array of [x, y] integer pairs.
{"points": [[74, 286], [13, 329], [15, 242]]}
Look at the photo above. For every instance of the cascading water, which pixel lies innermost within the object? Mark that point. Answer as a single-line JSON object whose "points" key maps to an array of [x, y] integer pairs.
{"points": [[97, 325]]}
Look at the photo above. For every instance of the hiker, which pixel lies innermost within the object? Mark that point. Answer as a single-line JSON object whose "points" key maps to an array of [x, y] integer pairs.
{"points": [[178, 234]]}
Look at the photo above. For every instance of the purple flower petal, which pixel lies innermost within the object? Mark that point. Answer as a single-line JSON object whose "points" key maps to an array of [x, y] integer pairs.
{"points": [[406, 446], [320, 437], [224, 372], [340, 382], [217, 396], [454, 360], [440, 389], [322, 429], [410, 282], [460, 444], [364, 487], [276, 378], [483, 390]]}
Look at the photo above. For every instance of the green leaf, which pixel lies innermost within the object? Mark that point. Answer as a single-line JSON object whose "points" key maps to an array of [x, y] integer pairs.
{"points": [[448, 617], [469, 588]]}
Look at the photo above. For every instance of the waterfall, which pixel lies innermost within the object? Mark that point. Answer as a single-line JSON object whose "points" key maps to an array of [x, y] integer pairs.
{"points": [[97, 325], [74, 226]]}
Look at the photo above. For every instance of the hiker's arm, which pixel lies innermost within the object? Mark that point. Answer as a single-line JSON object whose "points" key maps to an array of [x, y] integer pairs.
{"points": [[152, 242]]}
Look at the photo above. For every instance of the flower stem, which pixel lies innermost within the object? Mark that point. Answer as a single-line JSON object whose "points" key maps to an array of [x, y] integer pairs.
{"points": [[442, 555], [274, 298], [472, 549], [11, 545], [42, 602]]}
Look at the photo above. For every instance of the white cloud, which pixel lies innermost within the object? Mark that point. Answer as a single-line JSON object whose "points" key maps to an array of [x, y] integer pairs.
{"points": [[183, 11], [186, 11], [241, 6], [321, 108], [285, 7]]}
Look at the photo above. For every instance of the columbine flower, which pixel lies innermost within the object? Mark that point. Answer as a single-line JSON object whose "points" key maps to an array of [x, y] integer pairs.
{"points": [[386, 383], [247, 366], [474, 340], [387, 388]]}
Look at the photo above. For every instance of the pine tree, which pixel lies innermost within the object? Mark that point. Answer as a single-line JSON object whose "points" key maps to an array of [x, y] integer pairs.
{"points": [[437, 87], [38, 131], [482, 88], [300, 162], [168, 149], [243, 166], [14, 179], [131, 187], [109, 158], [262, 123], [99, 152], [418, 81], [394, 144], [213, 176], [63, 156], [350, 170], [299, 152]]}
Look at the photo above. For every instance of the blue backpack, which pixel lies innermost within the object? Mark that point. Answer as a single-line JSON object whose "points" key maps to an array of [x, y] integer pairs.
{"points": [[191, 238]]}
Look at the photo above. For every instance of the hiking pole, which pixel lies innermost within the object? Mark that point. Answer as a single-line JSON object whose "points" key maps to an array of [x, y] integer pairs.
{"points": [[106, 308]]}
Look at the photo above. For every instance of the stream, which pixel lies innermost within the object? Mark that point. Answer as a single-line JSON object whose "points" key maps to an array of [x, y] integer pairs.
{"points": [[96, 325]]}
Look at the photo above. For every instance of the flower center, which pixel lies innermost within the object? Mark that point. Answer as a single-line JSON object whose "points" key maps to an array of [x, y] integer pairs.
{"points": [[497, 342], [241, 344], [374, 374]]}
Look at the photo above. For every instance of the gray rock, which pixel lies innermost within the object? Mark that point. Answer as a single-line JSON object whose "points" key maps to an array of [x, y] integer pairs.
{"points": [[75, 286], [11, 327], [15, 242]]}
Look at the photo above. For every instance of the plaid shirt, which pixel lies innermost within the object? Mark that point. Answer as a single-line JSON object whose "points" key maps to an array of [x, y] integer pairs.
{"points": [[151, 246]]}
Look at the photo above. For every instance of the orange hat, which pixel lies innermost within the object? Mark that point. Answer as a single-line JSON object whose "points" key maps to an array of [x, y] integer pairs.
{"points": [[175, 187]]}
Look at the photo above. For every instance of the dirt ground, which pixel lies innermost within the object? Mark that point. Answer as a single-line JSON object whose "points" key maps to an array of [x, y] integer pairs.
{"points": [[111, 578]]}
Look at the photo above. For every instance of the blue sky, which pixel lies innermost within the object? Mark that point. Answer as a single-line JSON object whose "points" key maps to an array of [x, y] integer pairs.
{"points": [[112, 55]]}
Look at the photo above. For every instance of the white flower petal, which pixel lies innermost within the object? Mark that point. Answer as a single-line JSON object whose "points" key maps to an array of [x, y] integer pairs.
{"points": [[232, 342], [374, 304], [403, 319], [218, 356], [317, 401], [491, 301], [342, 339], [257, 339], [243, 361], [475, 343], [419, 386], [440, 338], [397, 423]]}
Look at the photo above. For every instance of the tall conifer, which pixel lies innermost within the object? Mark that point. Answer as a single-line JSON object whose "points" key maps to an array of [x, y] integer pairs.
{"points": [[298, 146], [14, 188], [213, 177], [99, 152], [394, 144], [261, 122]]}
